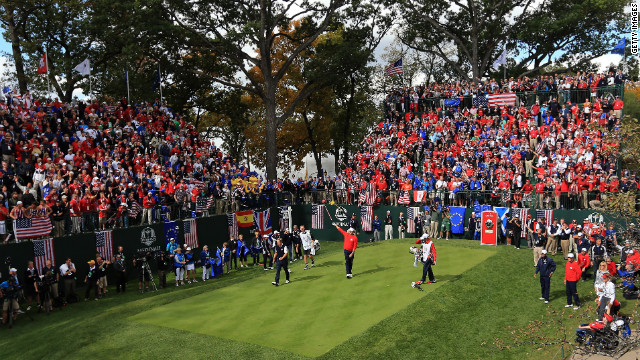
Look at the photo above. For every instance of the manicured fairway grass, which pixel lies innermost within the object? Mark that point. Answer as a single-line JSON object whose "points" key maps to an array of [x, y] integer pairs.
{"points": [[474, 303], [320, 308]]}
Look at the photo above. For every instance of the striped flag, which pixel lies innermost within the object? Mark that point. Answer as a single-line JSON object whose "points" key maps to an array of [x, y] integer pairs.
{"points": [[363, 197], [317, 216], [204, 203], [43, 251], [191, 233], [26, 228], [199, 183], [283, 211], [546, 214], [370, 194], [104, 244], [412, 212], [404, 197], [366, 218], [506, 99], [232, 222], [523, 212], [393, 69], [262, 221], [135, 209], [419, 196]]}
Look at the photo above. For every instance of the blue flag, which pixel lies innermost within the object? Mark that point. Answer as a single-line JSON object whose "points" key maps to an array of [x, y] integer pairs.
{"points": [[171, 230], [619, 48], [451, 102], [502, 216], [457, 219], [6, 90]]}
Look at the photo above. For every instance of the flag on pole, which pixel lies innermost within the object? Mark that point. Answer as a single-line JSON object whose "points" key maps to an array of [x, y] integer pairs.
{"points": [[523, 212], [546, 214], [43, 251], [317, 216], [412, 212], [104, 244], [619, 48], [393, 69], [232, 222], [157, 79], [42, 66], [501, 60], [191, 233], [84, 68], [26, 228], [366, 218], [262, 220]]}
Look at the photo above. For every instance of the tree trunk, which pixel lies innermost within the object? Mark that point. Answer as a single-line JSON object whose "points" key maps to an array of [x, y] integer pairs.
{"points": [[271, 136], [17, 51], [347, 122]]}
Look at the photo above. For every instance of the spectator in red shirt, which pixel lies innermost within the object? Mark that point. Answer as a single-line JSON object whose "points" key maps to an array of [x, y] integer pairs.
{"points": [[147, 204]]}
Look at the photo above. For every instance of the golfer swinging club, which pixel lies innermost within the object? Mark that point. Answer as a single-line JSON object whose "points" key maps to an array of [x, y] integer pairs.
{"points": [[350, 245]]}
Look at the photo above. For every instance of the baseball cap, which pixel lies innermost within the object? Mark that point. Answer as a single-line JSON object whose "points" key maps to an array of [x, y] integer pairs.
{"points": [[188, 248], [424, 236], [544, 251], [13, 270], [570, 255], [91, 262], [19, 203], [584, 249], [351, 230], [265, 236]]}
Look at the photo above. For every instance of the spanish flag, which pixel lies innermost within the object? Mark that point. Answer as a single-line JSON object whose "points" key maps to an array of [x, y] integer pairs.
{"points": [[245, 218]]}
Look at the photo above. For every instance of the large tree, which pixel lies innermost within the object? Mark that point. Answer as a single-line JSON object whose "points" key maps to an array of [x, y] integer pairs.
{"points": [[538, 33], [241, 35]]}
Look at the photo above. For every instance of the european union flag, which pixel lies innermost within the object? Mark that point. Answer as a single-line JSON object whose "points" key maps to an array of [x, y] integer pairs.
{"points": [[457, 219], [502, 217], [171, 230], [451, 102]]}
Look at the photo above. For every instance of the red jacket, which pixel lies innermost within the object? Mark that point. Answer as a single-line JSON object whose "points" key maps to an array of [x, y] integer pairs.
{"points": [[148, 203], [572, 271], [584, 261], [350, 240]]}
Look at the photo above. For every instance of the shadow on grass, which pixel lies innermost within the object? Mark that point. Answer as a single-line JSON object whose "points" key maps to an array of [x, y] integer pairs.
{"points": [[330, 263], [307, 278], [371, 271]]}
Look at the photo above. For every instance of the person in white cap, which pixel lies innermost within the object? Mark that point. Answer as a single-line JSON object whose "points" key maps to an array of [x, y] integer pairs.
{"points": [[572, 274], [429, 257], [350, 246], [307, 246], [546, 267], [190, 266]]}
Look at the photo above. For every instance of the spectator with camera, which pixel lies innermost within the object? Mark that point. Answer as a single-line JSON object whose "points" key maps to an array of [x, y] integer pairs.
{"points": [[52, 273], [31, 285], [102, 265], [68, 272], [9, 292], [164, 266]]}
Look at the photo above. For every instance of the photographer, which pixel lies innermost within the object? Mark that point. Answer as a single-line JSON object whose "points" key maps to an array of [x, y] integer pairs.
{"points": [[9, 292], [141, 262], [120, 269], [54, 276], [30, 285], [164, 266], [68, 272]]}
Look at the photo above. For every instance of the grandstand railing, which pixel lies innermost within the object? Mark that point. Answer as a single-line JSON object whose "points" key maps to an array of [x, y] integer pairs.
{"points": [[528, 98]]}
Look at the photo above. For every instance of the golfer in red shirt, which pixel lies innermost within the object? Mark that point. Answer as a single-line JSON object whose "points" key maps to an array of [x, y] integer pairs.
{"points": [[350, 245]]}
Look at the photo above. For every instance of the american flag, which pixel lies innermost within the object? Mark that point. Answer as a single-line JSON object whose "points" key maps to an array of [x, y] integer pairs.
{"points": [[363, 197], [26, 228], [191, 233], [370, 194], [546, 214], [284, 217], [393, 69], [110, 108], [135, 209], [404, 197], [506, 99], [43, 251], [262, 221], [366, 218], [317, 216], [104, 244], [480, 101], [523, 212], [204, 203], [199, 183], [232, 222], [412, 212]]}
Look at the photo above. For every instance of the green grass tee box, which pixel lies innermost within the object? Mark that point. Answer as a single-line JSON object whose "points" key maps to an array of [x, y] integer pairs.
{"points": [[320, 308]]}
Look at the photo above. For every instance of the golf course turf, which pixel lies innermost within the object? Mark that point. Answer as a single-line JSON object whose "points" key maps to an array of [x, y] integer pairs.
{"points": [[482, 294]]}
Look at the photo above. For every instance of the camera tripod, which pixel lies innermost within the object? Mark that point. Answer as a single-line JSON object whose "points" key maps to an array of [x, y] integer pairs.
{"points": [[147, 271]]}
